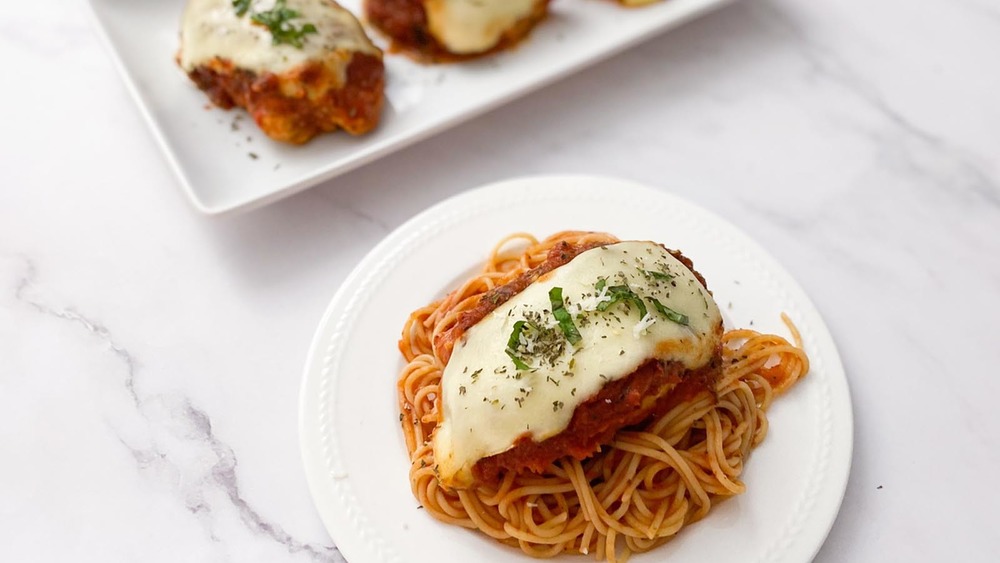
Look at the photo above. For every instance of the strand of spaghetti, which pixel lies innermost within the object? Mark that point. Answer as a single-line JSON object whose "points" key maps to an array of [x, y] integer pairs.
{"points": [[523, 510], [550, 526], [609, 548], [642, 521], [665, 526], [532, 490], [584, 493], [762, 355], [636, 442], [655, 487], [586, 538], [738, 405], [670, 516], [496, 256], [550, 508], [532, 537], [541, 552], [429, 499], [638, 545], [618, 481], [537, 254], [626, 504], [489, 526], [422, 367], [600, 547], [796, 337], [642, 526], [425, 398], [717, 454], [748, 404], [502, 491], [415, 340], [598, 514], [626, 485], [681, 417], [494, 519], [442, 502]]}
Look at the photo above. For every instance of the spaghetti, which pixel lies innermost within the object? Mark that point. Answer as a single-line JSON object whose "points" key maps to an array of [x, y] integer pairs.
{"points": [[641, 489]]}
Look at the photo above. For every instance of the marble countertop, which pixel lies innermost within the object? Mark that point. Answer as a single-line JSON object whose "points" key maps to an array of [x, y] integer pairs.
{"points": [[150, 357]]}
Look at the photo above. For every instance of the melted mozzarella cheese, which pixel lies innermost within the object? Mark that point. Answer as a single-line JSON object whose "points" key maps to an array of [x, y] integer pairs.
{"points": [[488, 404], [473, 26], [211, 29]]}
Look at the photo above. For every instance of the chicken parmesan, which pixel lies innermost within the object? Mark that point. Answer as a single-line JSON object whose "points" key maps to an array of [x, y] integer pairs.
{"points": [[443, 30], [580, 394], [299, 67], [598, 340]]}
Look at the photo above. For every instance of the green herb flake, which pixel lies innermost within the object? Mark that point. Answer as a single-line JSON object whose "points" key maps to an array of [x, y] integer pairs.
{"points": [[512, 342], [278, 21], [241, 7], [562, 315], [669, 313], [623, 294], [657, 275]]}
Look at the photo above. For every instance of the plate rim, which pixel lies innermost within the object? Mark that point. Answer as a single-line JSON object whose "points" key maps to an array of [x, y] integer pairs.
{"points": [[841, 441]]}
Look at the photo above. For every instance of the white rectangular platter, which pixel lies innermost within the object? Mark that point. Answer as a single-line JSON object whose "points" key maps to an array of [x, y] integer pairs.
{"points": [[224, 163]]}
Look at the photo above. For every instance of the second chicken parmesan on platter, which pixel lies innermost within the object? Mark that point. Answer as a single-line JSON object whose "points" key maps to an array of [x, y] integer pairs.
{"points": [[447, 30]]}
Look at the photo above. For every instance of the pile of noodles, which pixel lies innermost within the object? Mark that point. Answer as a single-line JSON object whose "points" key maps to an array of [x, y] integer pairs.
{"points": [[640, 490]]}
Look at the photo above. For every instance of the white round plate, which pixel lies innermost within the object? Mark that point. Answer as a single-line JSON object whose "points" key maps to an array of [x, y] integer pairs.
{"points": [[353, 449]]}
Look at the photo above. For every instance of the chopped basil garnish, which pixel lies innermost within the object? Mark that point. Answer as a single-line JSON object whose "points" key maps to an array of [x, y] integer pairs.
{"points": [[678, 318], [513, 341], [562, 315], [241, 7], [518, 362], [515, 335], [277, 21], [621, 293], [658, 275]]}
